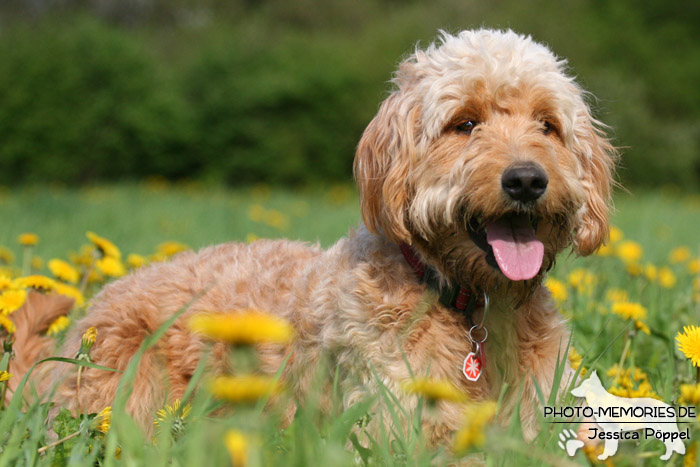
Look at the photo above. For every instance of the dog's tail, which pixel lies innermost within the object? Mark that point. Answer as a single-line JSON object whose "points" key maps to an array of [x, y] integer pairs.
{"points": [[31, 344]]}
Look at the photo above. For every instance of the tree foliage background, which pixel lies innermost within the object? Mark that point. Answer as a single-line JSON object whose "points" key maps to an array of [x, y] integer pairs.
{"points": [[279, 91]]}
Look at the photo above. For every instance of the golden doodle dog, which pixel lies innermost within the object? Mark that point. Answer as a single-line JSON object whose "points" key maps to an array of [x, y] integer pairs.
{"points": [[482, 165]]}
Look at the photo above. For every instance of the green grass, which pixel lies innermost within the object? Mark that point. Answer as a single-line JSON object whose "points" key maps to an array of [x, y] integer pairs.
{"points": [[139, 217]]}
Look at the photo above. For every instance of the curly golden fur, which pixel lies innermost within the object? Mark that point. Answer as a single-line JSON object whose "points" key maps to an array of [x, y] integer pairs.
{"points": [[429, 170]]}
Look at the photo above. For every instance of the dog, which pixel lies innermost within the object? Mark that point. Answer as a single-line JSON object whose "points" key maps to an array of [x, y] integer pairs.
{"points": [[482, 164], [613, 425]]}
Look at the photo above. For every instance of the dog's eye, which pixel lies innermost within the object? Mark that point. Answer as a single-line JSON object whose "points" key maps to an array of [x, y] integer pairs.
{"points": [[467, 127], [548, 127]]}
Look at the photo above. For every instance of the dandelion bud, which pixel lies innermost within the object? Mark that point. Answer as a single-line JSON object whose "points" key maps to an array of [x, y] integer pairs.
{"points": [[88, 340], [102, 421]]}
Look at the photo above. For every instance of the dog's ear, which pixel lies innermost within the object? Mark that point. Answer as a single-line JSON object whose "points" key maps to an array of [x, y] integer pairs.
{"points": [[382, 164], [598, 158]]}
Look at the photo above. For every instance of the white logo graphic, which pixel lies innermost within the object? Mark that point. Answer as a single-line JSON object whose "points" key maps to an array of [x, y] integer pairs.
{"points": [[572, 444], [622, 418]]}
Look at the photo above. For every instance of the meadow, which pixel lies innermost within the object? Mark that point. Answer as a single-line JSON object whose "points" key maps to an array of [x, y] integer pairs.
{"points": [[626, 305]]}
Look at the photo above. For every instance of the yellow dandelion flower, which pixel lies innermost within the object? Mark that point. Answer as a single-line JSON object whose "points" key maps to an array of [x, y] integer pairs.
{"points": [[244, 327], [616, 296], [169, 411], [102, 421], [36, 281], [632, 383], [605, 250], [5, 282], [634, 269], [575, 360], [615, 234], [629, 310], [690, 394], [557, 289], [639, 375], [582, 280], [694, 266], [64, 271], [6, 256], [666, 278], [28, 239], [650, 271], [110, 266], [245, 388], [88, 340], [37, 263], [642, 326], [7, 324], [679, 255], [615, 372], [173, 416], [106, 247], [238, 446], [171, 248], [58, 325], [11, 300], [5, 376], [71, 292], [472, 433], [251, 237], [434, 390], [629, 251], [689, 343], [644, 390], [135, 261]]}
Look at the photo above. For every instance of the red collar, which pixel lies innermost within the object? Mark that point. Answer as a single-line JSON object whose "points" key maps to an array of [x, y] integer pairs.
{"points": [[455, 296]]}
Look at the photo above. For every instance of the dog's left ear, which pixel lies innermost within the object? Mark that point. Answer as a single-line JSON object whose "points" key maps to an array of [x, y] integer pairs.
{"points": [[598, 159], [382, 164]]}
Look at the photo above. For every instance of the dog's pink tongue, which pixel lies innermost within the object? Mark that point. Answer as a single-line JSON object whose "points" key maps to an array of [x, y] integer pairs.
{"points": [[517, 250]]}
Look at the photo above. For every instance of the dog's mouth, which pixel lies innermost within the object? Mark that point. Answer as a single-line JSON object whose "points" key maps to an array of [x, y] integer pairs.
{"points": [[510, 244]]}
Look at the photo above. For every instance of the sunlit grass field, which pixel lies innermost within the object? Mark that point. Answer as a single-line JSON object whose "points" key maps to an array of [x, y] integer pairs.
{"points": [[626, 306]]}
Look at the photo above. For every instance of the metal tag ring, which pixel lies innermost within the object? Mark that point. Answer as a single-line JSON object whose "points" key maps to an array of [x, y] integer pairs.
{"points": [[471, 331]]}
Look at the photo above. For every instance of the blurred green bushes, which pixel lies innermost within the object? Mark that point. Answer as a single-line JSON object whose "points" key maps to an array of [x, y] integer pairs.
{"points": [[280, 91]]}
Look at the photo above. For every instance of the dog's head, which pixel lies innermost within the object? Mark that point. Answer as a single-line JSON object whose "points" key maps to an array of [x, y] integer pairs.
{"points": [[487, 160]]}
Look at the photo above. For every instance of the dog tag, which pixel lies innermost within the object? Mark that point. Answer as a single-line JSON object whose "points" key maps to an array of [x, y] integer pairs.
{"points": [[472, 366]]}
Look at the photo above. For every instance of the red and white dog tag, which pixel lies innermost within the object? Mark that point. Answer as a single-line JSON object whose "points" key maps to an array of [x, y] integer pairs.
{"points": [[472, 366]]}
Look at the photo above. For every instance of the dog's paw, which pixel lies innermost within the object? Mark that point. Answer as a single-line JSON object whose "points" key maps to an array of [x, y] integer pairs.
{"points": [[568, 442]]}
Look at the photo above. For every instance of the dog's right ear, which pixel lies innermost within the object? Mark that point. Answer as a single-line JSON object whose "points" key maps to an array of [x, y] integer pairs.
{"points": [[382, 165]]}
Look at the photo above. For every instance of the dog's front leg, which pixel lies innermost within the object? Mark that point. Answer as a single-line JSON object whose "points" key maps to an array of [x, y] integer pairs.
{"points": [[542, 338]]}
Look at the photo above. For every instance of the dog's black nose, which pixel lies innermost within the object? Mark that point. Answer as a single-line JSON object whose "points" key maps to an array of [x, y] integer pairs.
{"points": [[524, 181]]}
